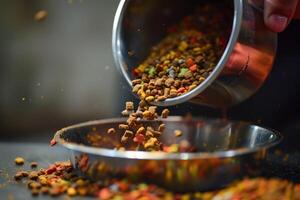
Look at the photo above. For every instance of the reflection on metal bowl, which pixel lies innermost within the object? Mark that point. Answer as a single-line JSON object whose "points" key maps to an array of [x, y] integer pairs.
{"points": [[226, 151]]}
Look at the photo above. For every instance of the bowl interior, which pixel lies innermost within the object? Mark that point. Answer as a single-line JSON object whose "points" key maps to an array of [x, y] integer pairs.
{"points": [[204, 135]]}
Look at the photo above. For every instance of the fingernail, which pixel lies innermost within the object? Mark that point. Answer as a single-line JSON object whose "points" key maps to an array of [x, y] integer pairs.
{"points": [[277, 22]]}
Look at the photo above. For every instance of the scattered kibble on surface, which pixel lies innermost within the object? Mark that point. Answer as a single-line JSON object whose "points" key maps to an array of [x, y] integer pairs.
{"points": [[33, 164], [64, 181], [19, 161]]}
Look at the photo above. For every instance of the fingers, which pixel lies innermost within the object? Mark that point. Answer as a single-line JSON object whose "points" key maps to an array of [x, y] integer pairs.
{"points": [[278, 13]]}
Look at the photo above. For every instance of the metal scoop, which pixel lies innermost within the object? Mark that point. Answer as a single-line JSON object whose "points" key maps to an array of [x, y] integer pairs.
{"points": [[242, 69]]}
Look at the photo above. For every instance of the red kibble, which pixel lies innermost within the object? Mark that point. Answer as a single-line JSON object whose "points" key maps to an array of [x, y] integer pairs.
{"points": [[181, 90], [139, 138], [123, 186], [172, 29], [135, 72], [105, 193], [53, 142], [51, 169], [193, 40], [190, 62], [193, 68]]}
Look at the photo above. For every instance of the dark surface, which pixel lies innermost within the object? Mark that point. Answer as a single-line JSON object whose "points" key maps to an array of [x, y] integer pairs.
{"points": [[278, 165], [39, 152]]}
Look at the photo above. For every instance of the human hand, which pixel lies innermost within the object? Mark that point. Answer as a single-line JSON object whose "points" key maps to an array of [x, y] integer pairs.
{"points": [[279, 13]]}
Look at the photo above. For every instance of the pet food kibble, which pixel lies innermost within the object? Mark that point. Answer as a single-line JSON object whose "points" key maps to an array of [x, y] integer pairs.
{"points": [[35, 192], [71, 192], [111, 131], [123, 126], [19, 161], [178, 133], [33, 164], [21, 174], [151, 142], [149, 98], [40, 15], [33, 175], [129, 105], [184, 58], [165, 113], [141, 130], [161, 127]]}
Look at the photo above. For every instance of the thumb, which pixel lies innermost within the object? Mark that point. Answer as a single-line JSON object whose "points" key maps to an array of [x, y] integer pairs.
{"points": [[278, 13]]}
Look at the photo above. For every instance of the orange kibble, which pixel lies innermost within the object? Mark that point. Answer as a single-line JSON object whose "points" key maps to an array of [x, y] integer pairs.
{"points": [[190, 62], [193, 68]]}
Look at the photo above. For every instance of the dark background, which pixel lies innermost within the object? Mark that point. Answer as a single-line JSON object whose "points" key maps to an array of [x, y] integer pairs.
{"points": [[60, 71]]}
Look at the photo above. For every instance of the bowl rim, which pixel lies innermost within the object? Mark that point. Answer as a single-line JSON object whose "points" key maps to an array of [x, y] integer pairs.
{"points": [[143, 155]]}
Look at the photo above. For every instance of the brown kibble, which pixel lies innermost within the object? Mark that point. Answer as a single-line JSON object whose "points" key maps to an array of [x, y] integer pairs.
{"points": [[166, 91], [71, 191], [44, 190], [43, 180], [131, 121], [153, 92], [19, 175], [82, 191], [191, 87], [136, 88], [35, 192], [111, 131], [136, 81], [123, 126], [141, 130], [151, 142], [158, 82], [149, 134], [128, 133], [33, 164], [173, 93], [165, 113], [149, 98], [23, 173], [161, 98], [161, 127], [147, 115], [34, 185], [152, 109], [201, 79], [142, 103], [129, 105], [33, 175], [178, 133], [169, 82], [40, 15], [19, 161], [54, 191]]}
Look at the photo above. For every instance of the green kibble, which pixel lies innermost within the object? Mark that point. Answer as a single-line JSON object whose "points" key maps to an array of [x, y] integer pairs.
{"points": [[182, 72], [152, 71]]}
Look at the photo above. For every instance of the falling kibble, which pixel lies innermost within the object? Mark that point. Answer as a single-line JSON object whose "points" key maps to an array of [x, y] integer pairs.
{"points": [[41, 15]]}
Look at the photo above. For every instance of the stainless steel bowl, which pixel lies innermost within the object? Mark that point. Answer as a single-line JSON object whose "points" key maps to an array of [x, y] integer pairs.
{"points": [[226, 151], [240, 72]]}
